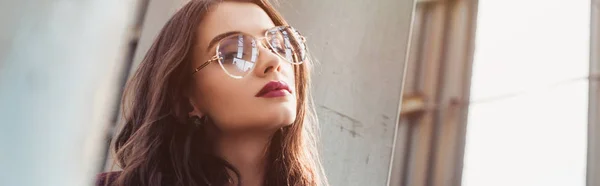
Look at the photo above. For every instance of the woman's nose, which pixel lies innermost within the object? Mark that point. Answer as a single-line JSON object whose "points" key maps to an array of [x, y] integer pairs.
{"points": [[268, 62]]}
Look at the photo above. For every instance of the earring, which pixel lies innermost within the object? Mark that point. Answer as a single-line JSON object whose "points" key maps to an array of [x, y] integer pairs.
{"points": [[196, 121]]}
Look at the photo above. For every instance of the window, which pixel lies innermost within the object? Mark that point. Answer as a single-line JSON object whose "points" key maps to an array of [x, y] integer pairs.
{"points": [[527, 123]]}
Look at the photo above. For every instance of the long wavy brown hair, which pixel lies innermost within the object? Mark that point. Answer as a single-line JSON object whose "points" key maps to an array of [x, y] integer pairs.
{"points": [[159, 146]]}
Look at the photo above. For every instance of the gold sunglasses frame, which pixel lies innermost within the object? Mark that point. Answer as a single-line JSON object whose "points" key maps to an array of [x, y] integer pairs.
{"points": [[269, 47]]}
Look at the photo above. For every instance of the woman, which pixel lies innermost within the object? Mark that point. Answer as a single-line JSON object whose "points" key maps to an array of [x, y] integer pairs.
{"points": [[221, 98]]}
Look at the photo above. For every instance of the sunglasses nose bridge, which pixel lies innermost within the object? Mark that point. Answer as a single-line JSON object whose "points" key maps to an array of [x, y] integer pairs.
{"points": [[263, 42]]}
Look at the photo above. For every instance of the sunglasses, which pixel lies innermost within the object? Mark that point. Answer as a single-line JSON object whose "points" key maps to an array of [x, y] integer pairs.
{"points": [[237, 53]]}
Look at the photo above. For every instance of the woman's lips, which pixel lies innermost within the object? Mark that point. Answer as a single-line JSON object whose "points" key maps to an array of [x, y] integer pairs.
{"points": [[274, 89]]}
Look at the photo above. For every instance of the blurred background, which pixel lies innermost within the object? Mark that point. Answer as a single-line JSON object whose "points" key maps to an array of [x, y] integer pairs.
{"points": [[408, 92], [501, 93]]}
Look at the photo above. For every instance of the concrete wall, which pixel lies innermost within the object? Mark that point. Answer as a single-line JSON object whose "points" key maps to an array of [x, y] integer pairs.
{"points": [[361, 49], [158, 13], [59, 68]]}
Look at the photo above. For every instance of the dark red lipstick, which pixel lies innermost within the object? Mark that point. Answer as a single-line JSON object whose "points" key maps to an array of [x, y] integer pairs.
{"points": [[274, 89]]}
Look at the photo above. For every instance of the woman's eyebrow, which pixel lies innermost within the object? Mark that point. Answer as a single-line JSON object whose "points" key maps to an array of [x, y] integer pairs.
{"points": [[218, 38]]}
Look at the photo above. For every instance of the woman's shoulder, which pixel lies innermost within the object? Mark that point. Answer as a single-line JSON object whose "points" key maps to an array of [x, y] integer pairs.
{"points": [[107, 178]]}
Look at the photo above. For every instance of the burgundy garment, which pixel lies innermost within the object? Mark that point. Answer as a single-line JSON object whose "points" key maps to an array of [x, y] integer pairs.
{"points": [[102, 181]]}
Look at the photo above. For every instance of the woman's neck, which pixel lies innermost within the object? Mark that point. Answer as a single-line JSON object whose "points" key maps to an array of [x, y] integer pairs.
{"points": [[247, 153]]}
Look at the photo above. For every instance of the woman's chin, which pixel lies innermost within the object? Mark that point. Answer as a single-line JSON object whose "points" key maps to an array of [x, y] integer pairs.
{"points": [[279, 115], [280, 120], [266, 122]]}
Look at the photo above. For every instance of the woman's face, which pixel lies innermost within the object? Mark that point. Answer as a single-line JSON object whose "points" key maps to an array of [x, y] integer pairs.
{"points": [[239, 105]]}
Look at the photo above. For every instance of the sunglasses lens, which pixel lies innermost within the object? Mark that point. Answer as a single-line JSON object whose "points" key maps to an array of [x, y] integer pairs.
{"points": [[286, 42], [238, 54]]}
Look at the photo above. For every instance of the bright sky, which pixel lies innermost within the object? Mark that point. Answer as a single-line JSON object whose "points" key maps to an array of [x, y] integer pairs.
{"points": [[538, 138]]}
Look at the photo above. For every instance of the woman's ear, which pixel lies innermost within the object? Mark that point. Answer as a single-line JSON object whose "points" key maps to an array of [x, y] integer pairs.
{"points": [[195, 109]]}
